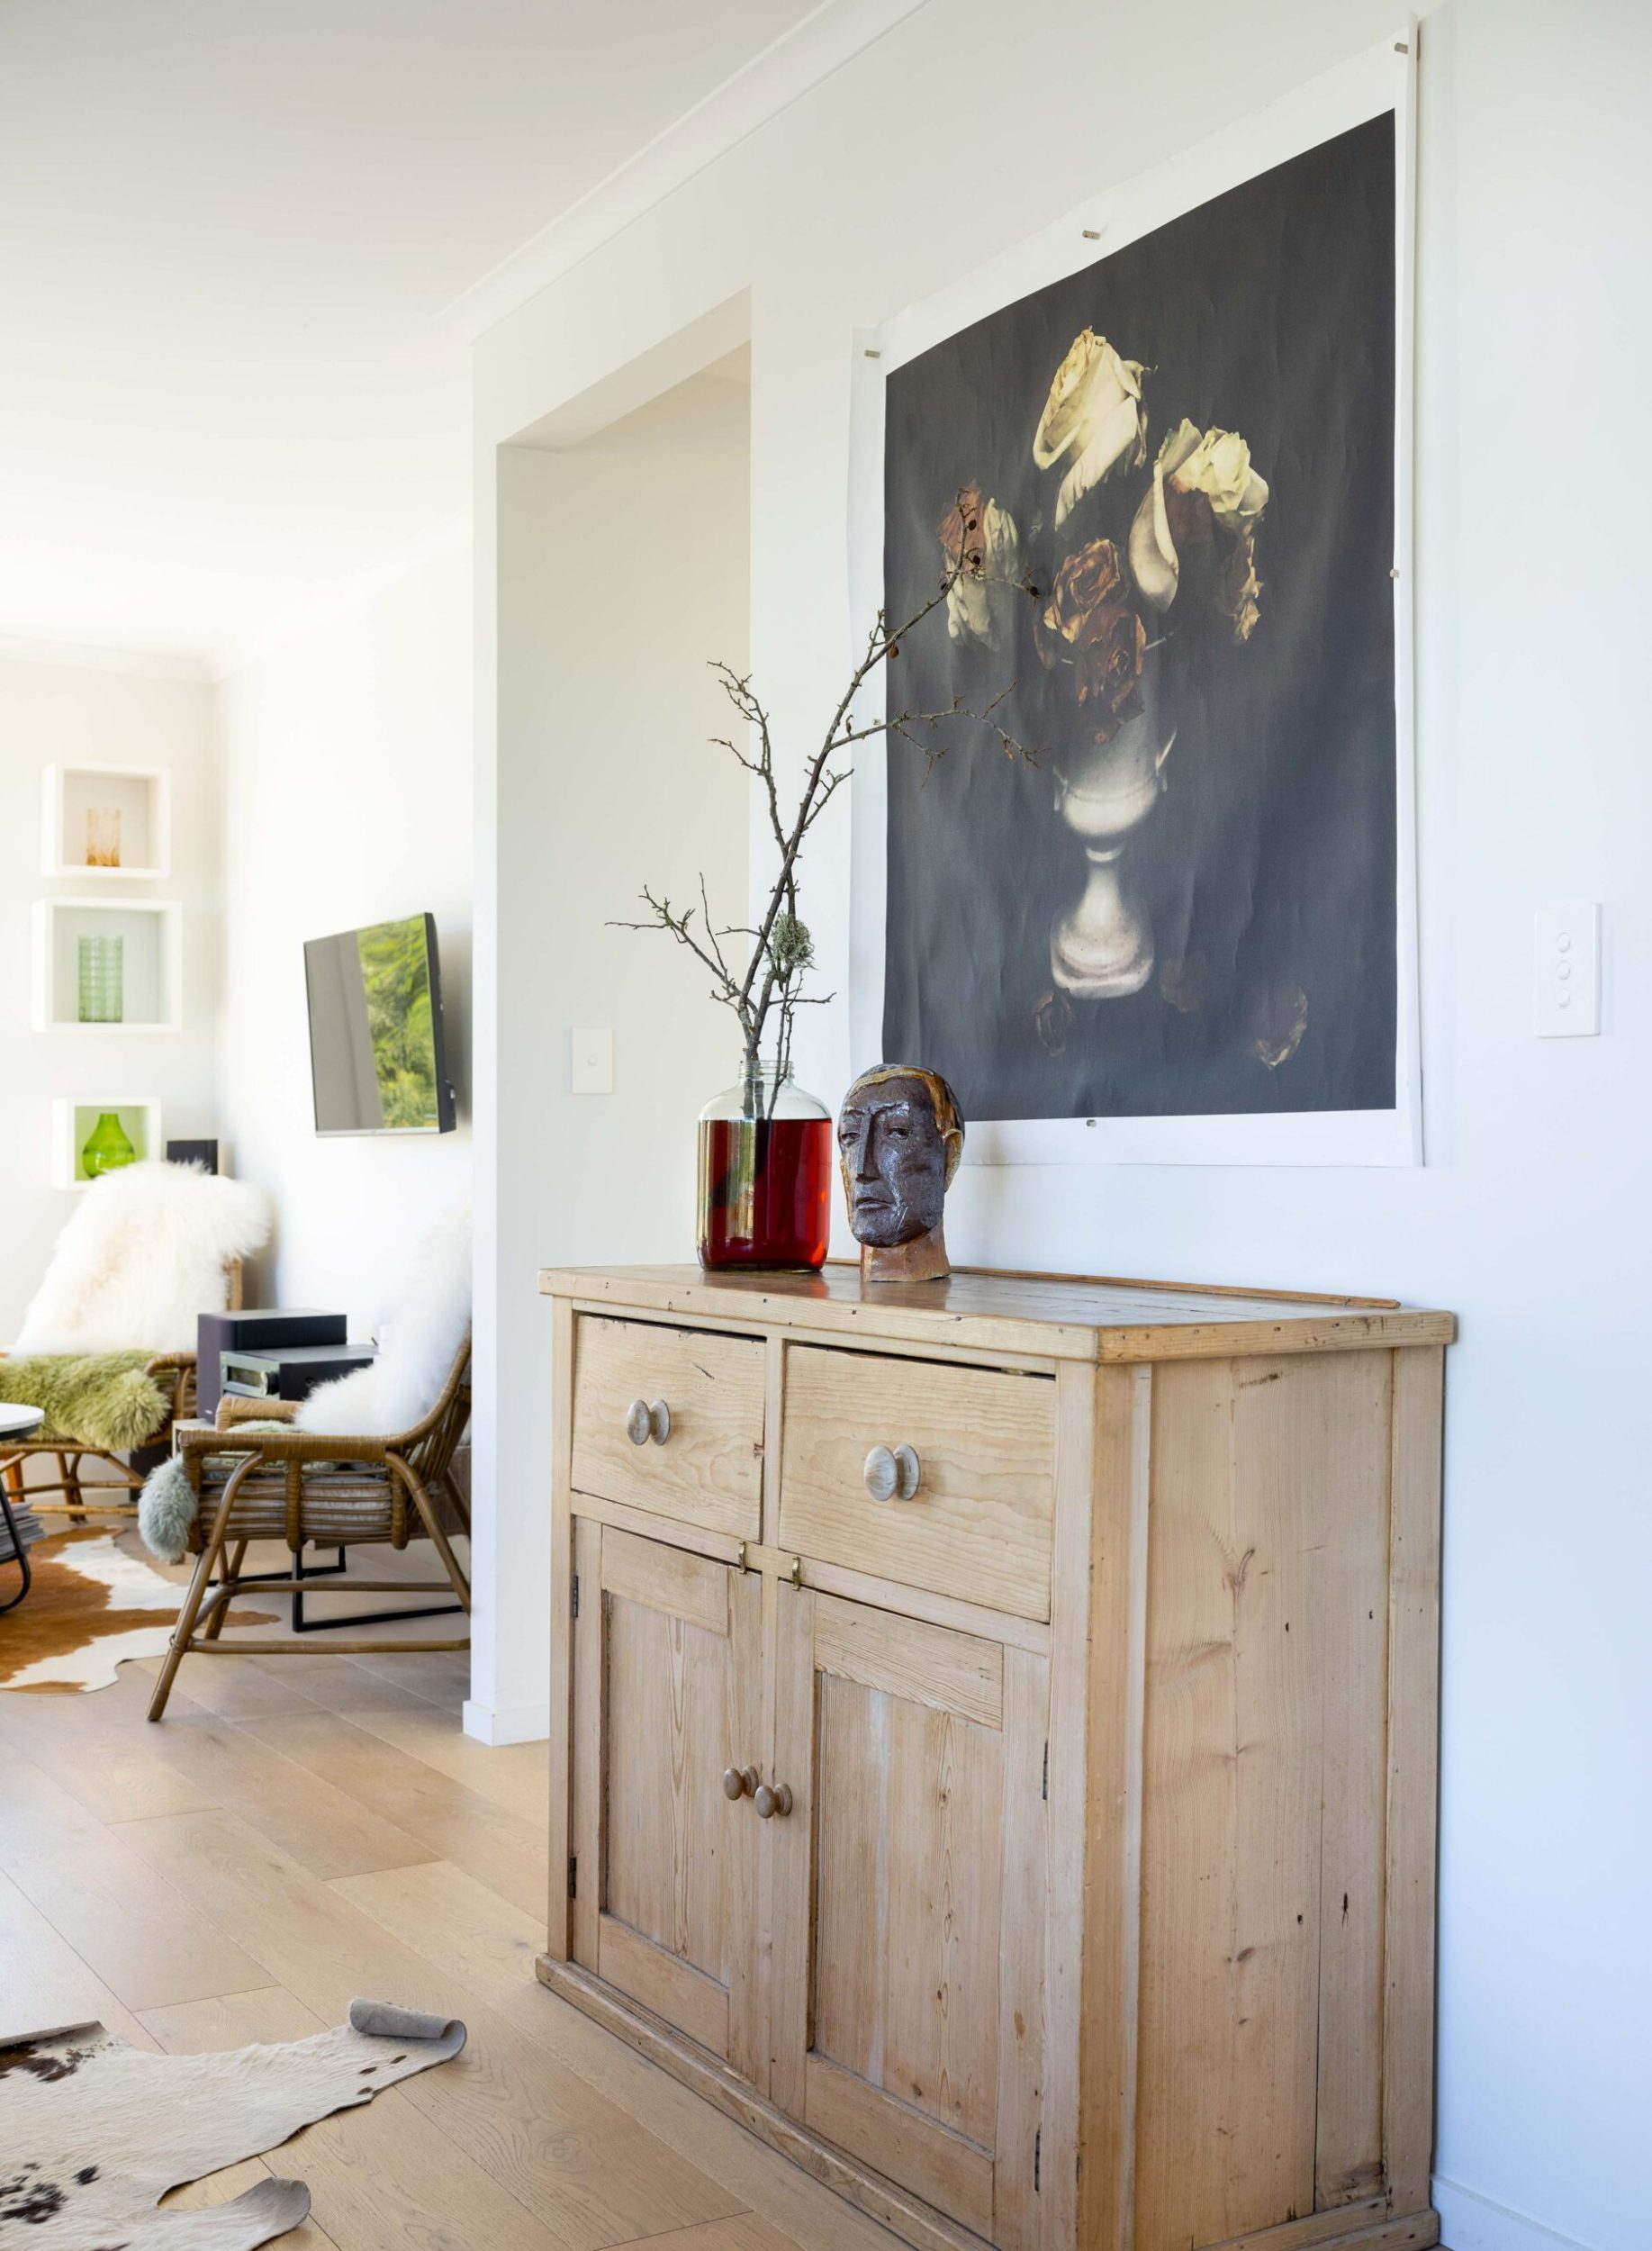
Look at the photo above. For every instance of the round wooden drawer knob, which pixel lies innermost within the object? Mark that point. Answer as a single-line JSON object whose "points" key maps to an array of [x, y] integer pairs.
{"points": [[645, 1420], [772, 1799], [739, 1782], [893, 1473]]}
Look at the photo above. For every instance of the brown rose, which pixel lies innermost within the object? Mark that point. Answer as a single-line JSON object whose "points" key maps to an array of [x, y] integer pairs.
{"points": [[1090, 623]]}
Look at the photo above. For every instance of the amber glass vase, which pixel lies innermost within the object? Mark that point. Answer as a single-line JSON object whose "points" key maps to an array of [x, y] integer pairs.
{"points": [[765, 1174]]}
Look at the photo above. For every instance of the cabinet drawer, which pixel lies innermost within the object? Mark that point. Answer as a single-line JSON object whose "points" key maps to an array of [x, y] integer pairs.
{"points": [[978, 1525], [708, 1469]]}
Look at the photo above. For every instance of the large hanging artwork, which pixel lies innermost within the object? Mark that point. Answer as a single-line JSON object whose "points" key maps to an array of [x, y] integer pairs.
{"points": [[1169, 441]]}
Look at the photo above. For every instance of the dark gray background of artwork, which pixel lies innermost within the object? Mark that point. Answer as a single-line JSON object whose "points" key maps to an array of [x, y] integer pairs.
{"points": [[1271, 856]]}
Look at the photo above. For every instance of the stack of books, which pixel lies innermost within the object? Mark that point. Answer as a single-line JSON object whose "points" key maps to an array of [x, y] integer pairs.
{"points": [[28, 1530]]}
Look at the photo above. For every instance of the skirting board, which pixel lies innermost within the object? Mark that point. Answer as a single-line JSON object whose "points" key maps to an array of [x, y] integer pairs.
{"points": [[1471, 2222], [510, 1724]]}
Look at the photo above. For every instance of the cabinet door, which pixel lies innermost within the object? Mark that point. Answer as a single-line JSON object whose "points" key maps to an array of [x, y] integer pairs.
{"points": [[667, 1694], [909, 1904]]}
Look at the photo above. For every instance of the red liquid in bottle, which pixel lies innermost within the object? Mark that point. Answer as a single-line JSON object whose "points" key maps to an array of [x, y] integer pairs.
{"points": [[765, 1191]]}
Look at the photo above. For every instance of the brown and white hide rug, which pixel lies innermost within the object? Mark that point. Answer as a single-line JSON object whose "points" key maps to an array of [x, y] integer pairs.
{"points": [[93, 2133], [96, 1601]]}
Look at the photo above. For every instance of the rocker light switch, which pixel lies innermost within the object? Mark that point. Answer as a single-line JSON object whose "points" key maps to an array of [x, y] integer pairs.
{"points": [[590, 1062], [1567, 969]]}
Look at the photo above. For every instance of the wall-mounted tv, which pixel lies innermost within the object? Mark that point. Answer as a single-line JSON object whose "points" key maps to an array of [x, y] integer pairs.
{"points": [[377, 1058]]}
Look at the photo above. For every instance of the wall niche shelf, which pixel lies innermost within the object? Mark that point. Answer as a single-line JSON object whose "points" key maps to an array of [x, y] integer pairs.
{"points": [[88, 812], [73, 1119], [151, 970]]}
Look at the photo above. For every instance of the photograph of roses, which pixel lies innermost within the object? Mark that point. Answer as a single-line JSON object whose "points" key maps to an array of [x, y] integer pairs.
{"points": [[1185, 905]]}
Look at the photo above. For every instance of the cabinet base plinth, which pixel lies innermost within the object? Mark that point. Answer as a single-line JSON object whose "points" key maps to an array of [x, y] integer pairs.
{"points": [[1362, 2227]]}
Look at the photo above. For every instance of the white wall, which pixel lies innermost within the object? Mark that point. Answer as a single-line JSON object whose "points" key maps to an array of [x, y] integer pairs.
{"points": [[1532, 1218], [68, 706], [348, 777], [622, 569]]}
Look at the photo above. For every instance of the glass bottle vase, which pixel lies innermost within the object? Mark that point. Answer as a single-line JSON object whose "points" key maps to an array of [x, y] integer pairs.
{"points": [[765, 1174], [107, 1147]]}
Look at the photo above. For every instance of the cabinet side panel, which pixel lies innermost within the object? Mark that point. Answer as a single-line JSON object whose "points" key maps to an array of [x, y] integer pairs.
{"points": [[1353, 1569], [1413, 1758], [1114, 1684], [1263, 1751]]}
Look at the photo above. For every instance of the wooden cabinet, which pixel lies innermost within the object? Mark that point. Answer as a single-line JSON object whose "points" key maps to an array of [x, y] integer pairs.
{"points": [[993, 1745]]}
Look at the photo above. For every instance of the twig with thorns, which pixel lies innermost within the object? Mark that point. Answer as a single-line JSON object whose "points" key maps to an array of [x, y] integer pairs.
{"points": [[782, 951]]}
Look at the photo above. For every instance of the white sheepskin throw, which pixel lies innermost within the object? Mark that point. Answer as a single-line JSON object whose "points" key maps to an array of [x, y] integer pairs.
{"points": [[416, 1343], [93, 2133], [143, 1258]]}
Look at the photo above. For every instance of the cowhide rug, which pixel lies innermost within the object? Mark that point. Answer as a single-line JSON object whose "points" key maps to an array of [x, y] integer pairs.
{"points": [[93, 1603], [93, 2133]]}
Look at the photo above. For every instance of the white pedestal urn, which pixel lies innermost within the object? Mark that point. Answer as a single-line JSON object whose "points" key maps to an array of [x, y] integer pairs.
{"points": [[1101, 947]]}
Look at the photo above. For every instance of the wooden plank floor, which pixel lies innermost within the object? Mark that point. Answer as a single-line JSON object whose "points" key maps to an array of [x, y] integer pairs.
{"points": [[299, 1831]]}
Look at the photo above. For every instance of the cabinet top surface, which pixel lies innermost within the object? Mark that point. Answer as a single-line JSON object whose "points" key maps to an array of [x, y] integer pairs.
{"points": [[1049, 1316]]}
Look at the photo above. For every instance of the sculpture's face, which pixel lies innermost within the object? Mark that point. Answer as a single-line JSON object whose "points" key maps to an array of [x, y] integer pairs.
{"points": [[894, 1158]]}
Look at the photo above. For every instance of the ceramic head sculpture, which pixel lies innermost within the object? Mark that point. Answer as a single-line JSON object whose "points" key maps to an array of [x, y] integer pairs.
{"points": [[900, 1139]]}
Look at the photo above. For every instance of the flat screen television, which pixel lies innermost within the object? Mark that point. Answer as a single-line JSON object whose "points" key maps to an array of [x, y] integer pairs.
{"points": [[377, 1059]]}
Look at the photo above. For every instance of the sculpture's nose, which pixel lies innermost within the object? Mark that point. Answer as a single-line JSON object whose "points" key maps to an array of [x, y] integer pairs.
{"points": [[864, 1166]]}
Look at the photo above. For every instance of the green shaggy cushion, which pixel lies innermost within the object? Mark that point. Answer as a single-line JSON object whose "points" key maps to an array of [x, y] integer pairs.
{"points": [[90, 1398]]}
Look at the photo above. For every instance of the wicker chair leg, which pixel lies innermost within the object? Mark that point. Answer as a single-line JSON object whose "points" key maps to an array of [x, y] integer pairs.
{"points": [[232, 1572], [211, 1553], [184, 1628], [438, 1537], [456, 1500], [68, 1472]]}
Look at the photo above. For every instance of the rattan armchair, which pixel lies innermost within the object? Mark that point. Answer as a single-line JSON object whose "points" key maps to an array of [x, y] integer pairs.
{"points": [[297, 1485]]}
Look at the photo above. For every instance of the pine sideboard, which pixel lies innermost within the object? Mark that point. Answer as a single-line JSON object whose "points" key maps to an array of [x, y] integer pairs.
{"points": [[993, 1741]]}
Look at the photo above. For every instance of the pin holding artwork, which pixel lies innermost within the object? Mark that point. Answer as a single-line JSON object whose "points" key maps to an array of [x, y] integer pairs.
{"points": [[900, 1140]]}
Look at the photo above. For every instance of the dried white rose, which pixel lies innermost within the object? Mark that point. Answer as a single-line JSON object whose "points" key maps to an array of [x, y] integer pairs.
{"points": [[981, 543], [1154, 564], [1205, 491], [1219, 466], [1094, 412]]}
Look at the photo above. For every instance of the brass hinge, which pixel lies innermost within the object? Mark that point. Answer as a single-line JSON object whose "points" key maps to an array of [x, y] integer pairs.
{"points": [[573, 1875], [1038, 2155], [576, 1594]]}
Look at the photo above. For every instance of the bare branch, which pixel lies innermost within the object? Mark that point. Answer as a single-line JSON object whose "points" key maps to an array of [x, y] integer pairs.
{"points": [[777, 966]]}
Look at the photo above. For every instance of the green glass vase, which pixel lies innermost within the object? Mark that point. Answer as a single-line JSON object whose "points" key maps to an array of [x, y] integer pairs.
{"points": [[107, 1148]]}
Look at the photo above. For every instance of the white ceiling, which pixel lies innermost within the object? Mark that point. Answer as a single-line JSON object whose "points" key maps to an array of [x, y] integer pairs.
{"points": [[226, 232]]}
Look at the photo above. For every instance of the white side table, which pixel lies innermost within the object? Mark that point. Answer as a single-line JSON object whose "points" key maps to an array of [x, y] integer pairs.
{"points": [[15, 1421]]}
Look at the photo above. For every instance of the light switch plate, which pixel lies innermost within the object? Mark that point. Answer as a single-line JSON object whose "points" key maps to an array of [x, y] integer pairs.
{"points": [[1566, 971], [590, 1062]]}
